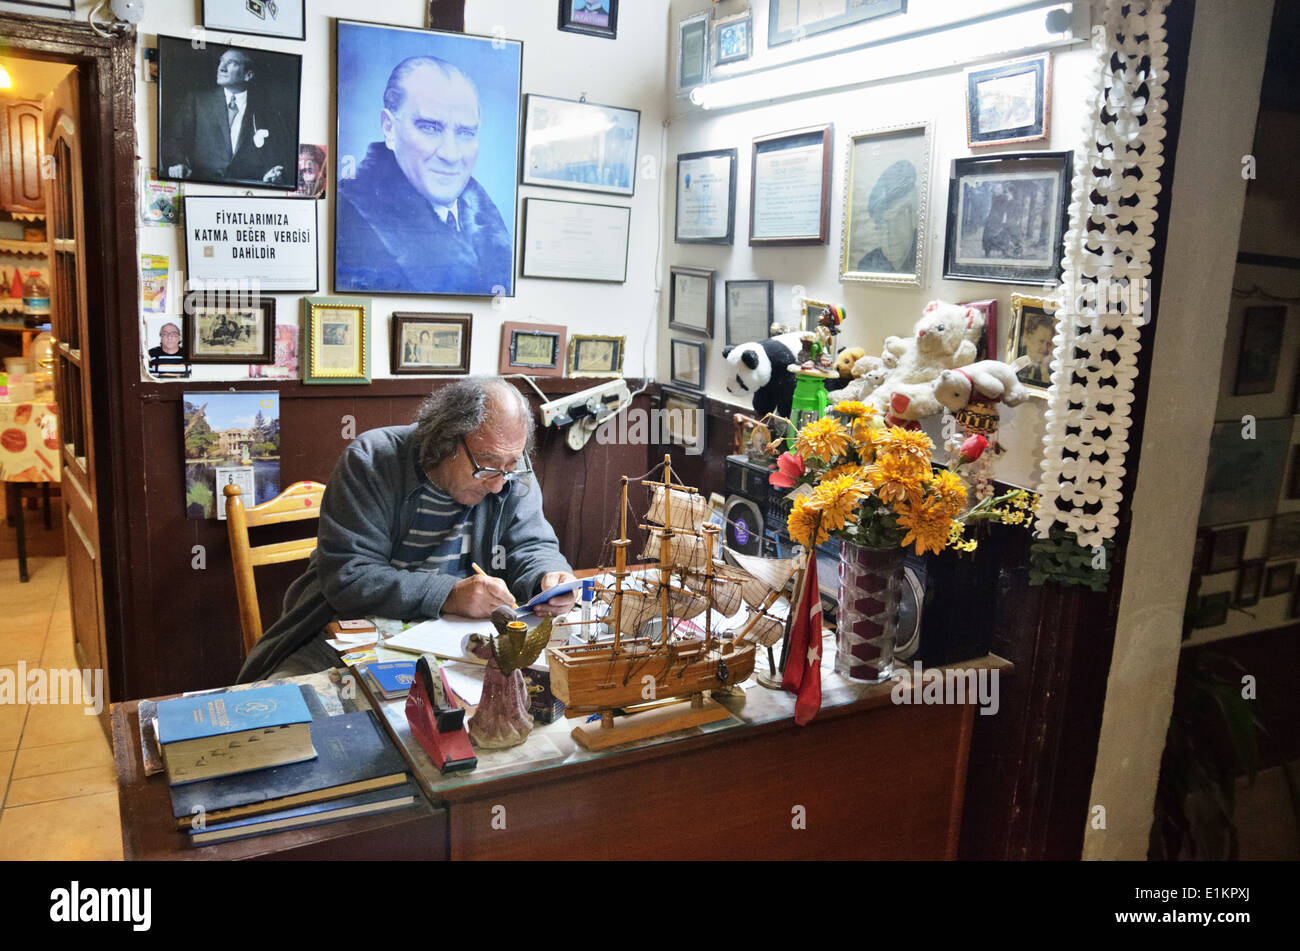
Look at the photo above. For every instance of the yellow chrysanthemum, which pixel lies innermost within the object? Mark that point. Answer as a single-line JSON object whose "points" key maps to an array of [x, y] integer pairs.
{"points": [[838, 500], [951, 489], [805, 522], [853, 408], [895, 479], [927, 527], [909, 442], [848, 469], [824, 438]]}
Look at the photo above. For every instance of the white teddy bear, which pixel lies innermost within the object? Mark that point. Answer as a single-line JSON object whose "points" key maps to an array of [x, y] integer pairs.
{"points": [[941, 339], [868, 373], [988, 379]]}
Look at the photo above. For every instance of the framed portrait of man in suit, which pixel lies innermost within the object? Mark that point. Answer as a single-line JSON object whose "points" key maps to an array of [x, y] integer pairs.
{"points": [[428, 162], [227, 115]]}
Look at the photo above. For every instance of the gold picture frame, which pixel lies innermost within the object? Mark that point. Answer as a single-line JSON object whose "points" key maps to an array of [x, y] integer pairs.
{"points": [[596, 355], [1029, 316], [886, 204], [337, 347]]}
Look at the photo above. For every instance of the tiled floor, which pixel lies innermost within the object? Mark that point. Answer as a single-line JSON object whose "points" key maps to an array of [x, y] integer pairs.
{"points": [[56, 767]]}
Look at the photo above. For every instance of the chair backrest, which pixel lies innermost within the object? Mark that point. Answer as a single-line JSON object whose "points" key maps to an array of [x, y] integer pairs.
{"points": [[301, 500]]}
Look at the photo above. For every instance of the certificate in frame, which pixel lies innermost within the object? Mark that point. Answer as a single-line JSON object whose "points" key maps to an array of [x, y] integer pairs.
{"points": [[686, 364], [338, 340], [575, 241], [790, 188], [430, 343], [789, 21], [594, 355], [582, 146], [887, 180], [705, 180], [690, 299], [685, 420], [532, 349], [748, 311]]}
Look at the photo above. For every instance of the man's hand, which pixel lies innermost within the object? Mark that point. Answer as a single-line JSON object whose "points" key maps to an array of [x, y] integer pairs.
{"points": [[476, 596], [560, 604], [274, 175]]}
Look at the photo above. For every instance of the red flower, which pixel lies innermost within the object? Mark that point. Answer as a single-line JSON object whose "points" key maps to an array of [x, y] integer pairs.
{"points": [[789, 468], [972, 448]]}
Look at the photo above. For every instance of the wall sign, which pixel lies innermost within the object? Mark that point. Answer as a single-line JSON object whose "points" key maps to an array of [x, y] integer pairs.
{"points": [[234, 243]]}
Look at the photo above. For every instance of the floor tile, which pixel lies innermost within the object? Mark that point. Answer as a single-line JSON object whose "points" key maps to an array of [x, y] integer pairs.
{"points": [[48, 724], [6, 761], [16, 645], [62, 757], [76, 782], [59, 651], [86, 828], [11, 725]]}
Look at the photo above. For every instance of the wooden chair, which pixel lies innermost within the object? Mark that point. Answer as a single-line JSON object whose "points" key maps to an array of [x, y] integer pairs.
{"points": [[301, 500]]}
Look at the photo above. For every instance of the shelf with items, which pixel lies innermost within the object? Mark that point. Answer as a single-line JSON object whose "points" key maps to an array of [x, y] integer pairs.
{"points": [[23, 248]]}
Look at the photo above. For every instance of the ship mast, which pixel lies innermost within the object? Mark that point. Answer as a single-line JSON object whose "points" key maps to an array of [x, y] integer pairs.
{"points": [[665, 550], [620, 566]]}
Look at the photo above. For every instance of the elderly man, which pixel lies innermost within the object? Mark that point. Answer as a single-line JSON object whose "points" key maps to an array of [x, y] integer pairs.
{"points": [[406, 513], [892, 206], [413, 219]]}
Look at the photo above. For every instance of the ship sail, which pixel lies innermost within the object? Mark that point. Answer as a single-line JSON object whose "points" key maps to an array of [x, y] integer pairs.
{"points": [[766, 575], [686, 551], [687, 509]]}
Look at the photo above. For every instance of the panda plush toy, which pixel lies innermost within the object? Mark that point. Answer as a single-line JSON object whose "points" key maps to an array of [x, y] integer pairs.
{"points": [[761, 372]]}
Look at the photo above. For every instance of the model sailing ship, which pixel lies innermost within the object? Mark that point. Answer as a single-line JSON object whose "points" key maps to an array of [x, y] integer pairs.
{"points": [[681, 661]]}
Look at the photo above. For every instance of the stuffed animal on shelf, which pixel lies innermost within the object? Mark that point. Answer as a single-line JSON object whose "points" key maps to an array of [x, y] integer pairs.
{"points": [[868, 373], [911, 402], [939, 342], [760, 371], [847, 359], [986, 381]]}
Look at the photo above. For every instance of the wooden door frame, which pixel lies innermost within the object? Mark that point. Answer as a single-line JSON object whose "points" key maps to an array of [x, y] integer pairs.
{"points": [[106, 93]]}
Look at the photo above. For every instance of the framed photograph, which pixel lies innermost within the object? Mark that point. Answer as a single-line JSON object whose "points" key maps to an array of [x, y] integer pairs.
{"points": [[706, 197], [790, 188], [430, 343], [227, 115], [1243, 478], [313, 171], [1030, 347], [1261, 345], [810, 312], [687, 364], [233, 240], [1279, 579], [1200, 554], [338, 340], [281, 18], [733, 39], [401, 224], [749, 311], [1006, 218], [1226, 548], [594, 355], [1009, 103], [575, 241], [1249, 581], [1284, 536], [222, 328], [582, 146], [990, 344], [684, 418], [887, 180], [532, 349], [593, 17], [692, 53], [690, 300], [1213, 609], [791, 20]]}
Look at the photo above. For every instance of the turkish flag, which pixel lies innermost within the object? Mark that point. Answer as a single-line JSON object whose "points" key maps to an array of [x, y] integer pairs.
{"points": [[803, 665]]}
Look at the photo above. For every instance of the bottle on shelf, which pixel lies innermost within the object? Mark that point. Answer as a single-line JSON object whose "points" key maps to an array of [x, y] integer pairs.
{"points": [[36, 295]]}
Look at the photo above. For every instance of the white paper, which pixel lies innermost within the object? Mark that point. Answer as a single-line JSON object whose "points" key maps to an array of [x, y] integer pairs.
{"points": [[576, 241], [444, 636], [466, 680]]}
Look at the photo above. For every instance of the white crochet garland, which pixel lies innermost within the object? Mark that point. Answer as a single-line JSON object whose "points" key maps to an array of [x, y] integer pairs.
{"points": [[1107, 255]]}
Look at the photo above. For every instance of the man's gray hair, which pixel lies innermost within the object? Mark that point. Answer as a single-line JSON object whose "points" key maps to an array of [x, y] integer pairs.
{"points": [[459, 408], [395, 91]]}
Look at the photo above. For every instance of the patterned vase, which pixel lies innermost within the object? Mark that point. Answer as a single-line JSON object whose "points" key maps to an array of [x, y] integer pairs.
{"points": [[871, 581]]}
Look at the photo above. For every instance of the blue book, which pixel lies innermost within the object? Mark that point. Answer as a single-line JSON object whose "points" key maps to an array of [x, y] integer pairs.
{"points": [[362, 804], [393, 678]]}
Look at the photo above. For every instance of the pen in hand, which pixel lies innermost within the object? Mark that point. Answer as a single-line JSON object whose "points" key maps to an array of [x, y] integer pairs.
{"points": [[480, 571]]}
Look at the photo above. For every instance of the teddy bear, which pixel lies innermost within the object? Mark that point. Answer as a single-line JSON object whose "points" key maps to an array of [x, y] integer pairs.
{"points": [[868, 373], [939, 342], [846, 360], [988, 380]]}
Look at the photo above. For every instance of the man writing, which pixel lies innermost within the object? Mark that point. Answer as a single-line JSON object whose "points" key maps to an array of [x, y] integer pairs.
{"points": [[230, 133], [414, 219], [408, 511]]}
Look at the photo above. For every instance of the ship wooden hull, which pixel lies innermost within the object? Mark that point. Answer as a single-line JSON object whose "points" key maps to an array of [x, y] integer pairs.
{"points": [[588, 678]]}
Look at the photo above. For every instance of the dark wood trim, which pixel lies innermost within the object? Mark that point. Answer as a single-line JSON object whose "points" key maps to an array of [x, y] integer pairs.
{"points": [[289, 389], [1268, 260], [447, 15]]}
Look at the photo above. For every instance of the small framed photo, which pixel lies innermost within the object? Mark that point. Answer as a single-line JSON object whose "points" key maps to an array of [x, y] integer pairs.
{"points": [[582, 146], [1261, 346], [748, 311], [222, 328], [1213, 609], [1226, 549], [532, 349], [279, 18], [1249, 581], [1006, 218], [593, 17], [1284, 536], [690, 300], [790, 188], [706, 197], [430, 343], [338, 340], [810, 312], [1279, 579], [687, 364], [990, 344], [1029, 349], [1009, 103], [684, 418], [733, 39], [887, 180], [692, 53], [595, 355]]}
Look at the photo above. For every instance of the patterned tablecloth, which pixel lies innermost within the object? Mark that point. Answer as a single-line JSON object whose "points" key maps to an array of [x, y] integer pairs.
{"points": [[29, 442]]}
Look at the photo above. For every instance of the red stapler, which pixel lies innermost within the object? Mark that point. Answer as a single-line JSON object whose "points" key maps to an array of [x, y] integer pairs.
{"points": [[437, 724]]}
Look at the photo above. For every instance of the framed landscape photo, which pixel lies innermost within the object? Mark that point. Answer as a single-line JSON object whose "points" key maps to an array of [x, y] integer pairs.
{"points": [[684, 418], [748, 311], [790, 188], [337, 342], [706, 197], [575, 241], [592, 355], [1030, 346], [279, 18], [1006, 218], [532, 349], [430, 343], [593, 17], [403, 223], [227, 115], [690, 300], [232, 240], [229, 328], [580, 145], [692, 53], [687, 364], [733, 39], [1260, 349], [887, 179], [1009, 103], [789, 21]]}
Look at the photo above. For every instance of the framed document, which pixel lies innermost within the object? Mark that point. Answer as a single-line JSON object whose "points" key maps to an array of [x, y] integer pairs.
{"points": [[706, 197], [229, 328], [692, 53], [338, 340], [687, 364], [580, 145], [430, 343], [790, 188], [690, 300], [749, 311], [575, 241], [684, 419], [233, 242], [886, 182], [282, 19], [789, 21], [532, 349], [595, 355]]}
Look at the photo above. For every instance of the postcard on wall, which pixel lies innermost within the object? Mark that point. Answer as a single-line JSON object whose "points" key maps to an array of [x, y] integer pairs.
{"points": [[160, 203], [285, 365], [153, 283], [230, 430], [164, 348]]}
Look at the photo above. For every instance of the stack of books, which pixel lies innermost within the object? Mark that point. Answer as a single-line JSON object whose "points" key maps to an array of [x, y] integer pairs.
{"points": [[250, 762]]}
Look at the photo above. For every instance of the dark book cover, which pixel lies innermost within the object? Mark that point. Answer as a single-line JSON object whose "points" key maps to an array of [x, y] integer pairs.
{"points": [[333, 810]]}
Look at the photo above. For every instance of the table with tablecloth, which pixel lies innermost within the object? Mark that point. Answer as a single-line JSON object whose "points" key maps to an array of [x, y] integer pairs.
{"points": [[29, 454]]}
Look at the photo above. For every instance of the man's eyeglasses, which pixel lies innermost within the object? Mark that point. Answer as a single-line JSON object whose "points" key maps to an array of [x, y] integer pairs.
{"points": [[487, 472]]}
